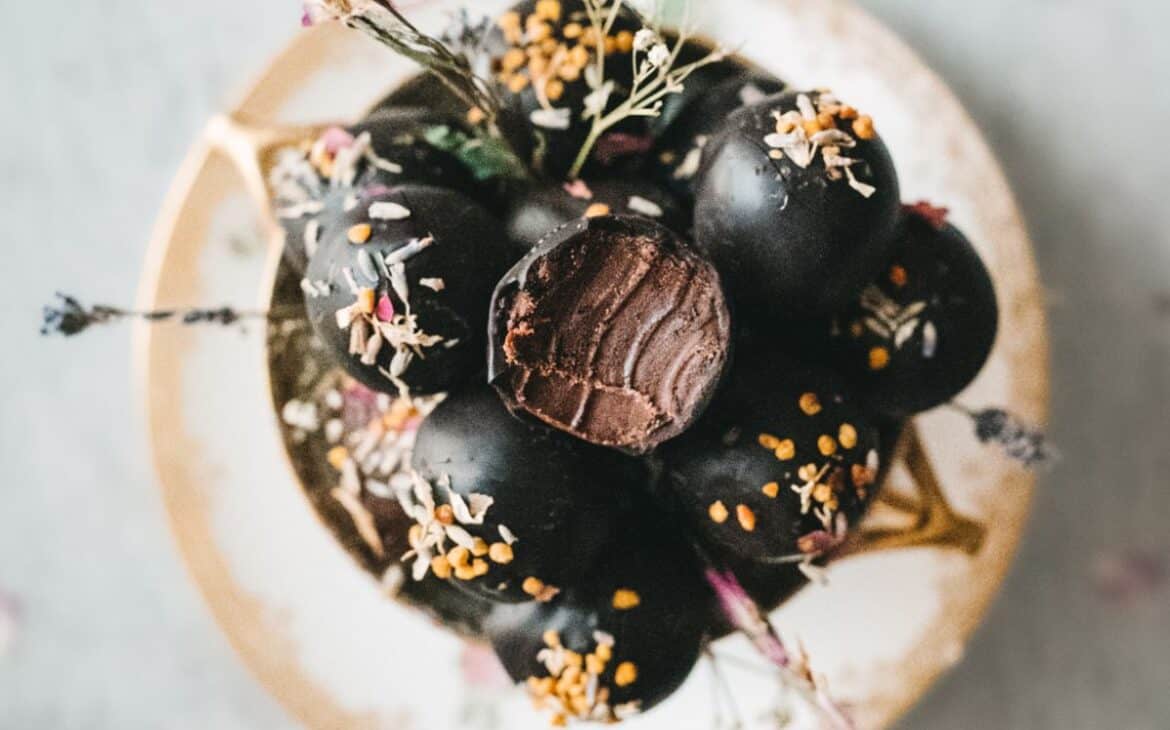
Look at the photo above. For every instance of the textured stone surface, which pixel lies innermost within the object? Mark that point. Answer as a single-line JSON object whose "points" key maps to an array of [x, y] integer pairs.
{"points": [[107, 98]]}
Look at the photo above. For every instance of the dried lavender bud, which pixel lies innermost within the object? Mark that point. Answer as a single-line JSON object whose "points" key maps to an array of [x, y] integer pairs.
{"points": [[69, 317], [1019, 441]]}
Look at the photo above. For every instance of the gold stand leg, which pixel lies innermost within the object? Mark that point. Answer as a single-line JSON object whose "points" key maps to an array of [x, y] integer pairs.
{"points": [[251, 148], [935, 521]]}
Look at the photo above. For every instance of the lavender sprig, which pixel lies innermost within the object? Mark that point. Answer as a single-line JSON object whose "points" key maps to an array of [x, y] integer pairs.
{"points": [[382, 21], [1018, 440], [68, 317]]}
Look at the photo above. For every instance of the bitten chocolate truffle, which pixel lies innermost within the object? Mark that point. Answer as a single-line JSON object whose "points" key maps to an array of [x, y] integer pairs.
{"points": [[921, 331], [619, 644], [400, 285], [784, 462], [541, 51], [612, 329], [506, 509], [797, 203], [536, 213]]}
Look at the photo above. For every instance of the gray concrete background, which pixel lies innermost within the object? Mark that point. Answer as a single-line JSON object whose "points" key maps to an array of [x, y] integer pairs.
{"points": [[100, 102]]}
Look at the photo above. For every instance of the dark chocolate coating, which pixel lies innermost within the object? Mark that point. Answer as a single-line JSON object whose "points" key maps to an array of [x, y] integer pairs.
{"points": [[536, 213], [400, 136], [424, 90], [710, 96], [559, 497], [777, 425], [792, 241], [612, 329], [923, 329], [660, 636], [560, 146], [468, 254]]}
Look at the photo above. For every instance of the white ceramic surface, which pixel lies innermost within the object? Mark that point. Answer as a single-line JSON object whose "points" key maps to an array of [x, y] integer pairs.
{"points": [[320, 633]]}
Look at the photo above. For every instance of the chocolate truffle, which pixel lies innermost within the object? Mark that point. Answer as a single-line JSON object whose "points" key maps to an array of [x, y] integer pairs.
{"points": [[506, 509], [797, 203], [540, 52], [784, 458], [399, 287], [709, 98], [612, 329], [924, 327], [535, 214], [633, 631]]}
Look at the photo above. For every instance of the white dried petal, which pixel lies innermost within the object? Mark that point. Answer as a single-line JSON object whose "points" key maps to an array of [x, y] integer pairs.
{"points": [[334, 400], [878, 328], [479, 504], [388, 211], [434, 284], [507, 535], [460, 536], [645, 39], [912, 310], [833, 137], [659, 55], [423, 493], [373, 347], [392, 580], [929, 340], [597, 100], [359, 333], [905, 332], [383, 164], [350, 480], [345, 316], [362, 520], [400, 362], [649, 208], [295, 212], [398, 283], [805, 105], [334, 429], [381, 490], [422, 564], [312, 237], [559, 119], [690, 164]]}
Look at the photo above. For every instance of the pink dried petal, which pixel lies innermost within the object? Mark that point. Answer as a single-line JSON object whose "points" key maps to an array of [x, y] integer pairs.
{"points": [[932, 214], [360, 406], [376, 190], [621, 144], [336, 139], [578, 189], [481, 668], [384, 310]]}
